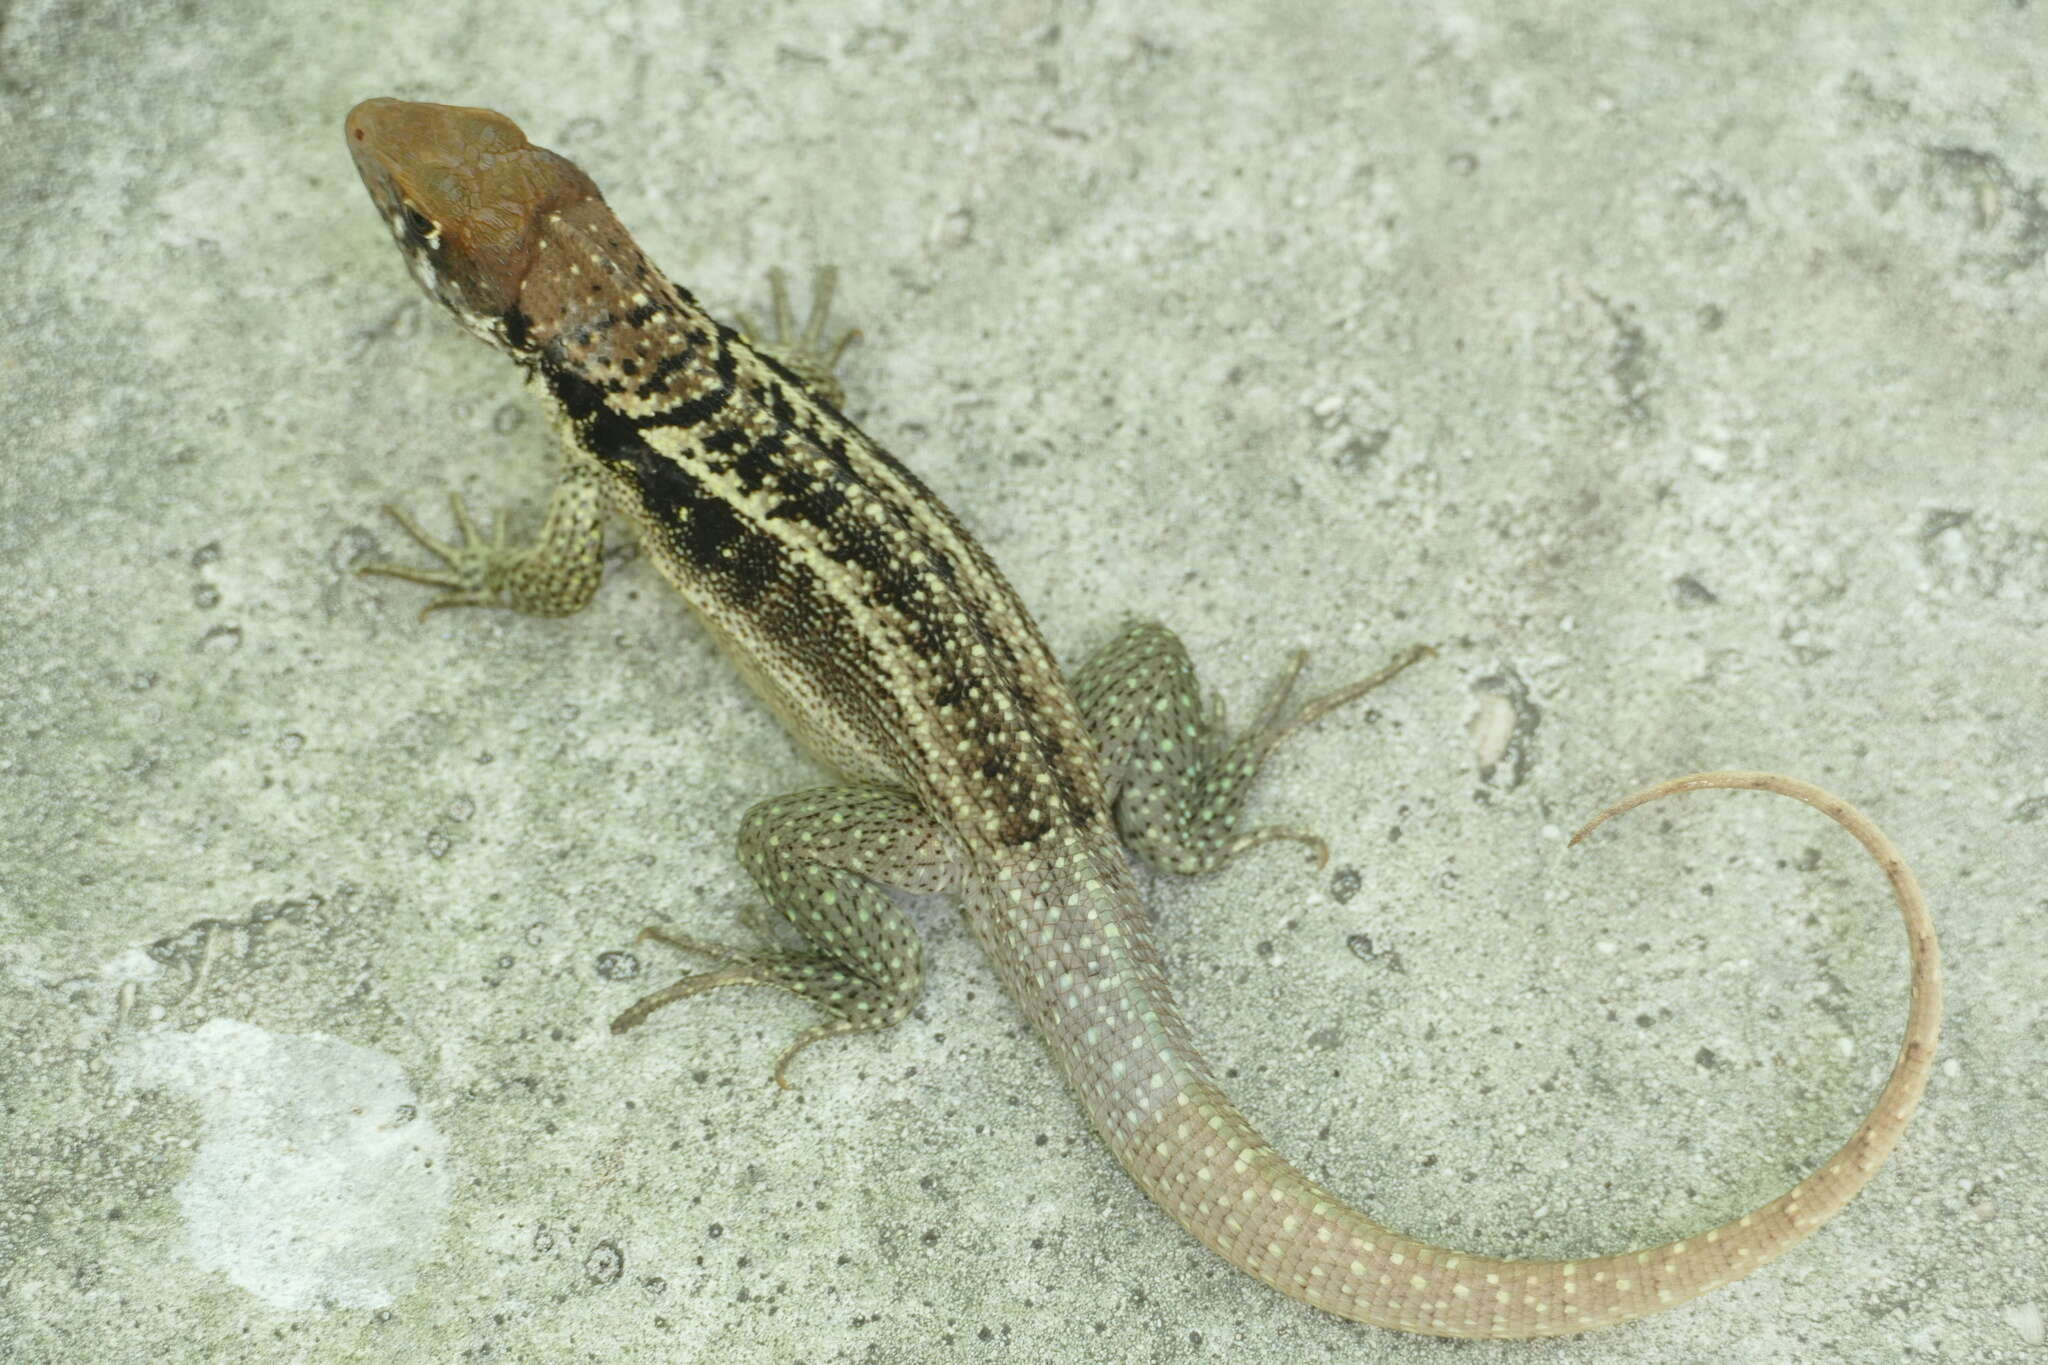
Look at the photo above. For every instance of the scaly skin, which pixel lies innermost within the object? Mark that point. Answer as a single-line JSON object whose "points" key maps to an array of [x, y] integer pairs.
{"points": [[883, 635]]}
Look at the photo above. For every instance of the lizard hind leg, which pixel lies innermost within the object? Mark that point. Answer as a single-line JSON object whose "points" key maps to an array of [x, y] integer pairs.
{"points": [[1177, 777], [821, 858]]}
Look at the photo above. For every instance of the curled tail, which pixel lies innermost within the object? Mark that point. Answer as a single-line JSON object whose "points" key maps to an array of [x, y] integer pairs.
{"points": [[1206, 1165]]}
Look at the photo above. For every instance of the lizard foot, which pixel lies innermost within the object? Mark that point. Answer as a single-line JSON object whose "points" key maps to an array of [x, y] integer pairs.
{"points": [[1270, 730], [805, 354], [1178, 776], [477, 571], [856, 1004]]}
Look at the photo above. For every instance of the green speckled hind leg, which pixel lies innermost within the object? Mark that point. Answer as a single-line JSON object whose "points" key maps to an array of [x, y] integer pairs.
{"points": [[1178, 778], [821, 858]]}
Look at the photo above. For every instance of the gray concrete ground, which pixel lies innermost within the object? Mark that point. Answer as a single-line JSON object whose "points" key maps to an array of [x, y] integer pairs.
{"points": [[1677, 369]]}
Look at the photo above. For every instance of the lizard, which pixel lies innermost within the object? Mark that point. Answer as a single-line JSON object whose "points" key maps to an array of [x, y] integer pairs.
{"points": [[877, 628]]}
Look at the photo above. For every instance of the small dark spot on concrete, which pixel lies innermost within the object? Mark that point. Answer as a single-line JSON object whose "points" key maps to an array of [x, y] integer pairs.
{"points": [[2032, 809], [1690, 592], [1358, 450], [886, 42], [1361, 948], [1630, 360], [1942, 519], [605, 1263]]}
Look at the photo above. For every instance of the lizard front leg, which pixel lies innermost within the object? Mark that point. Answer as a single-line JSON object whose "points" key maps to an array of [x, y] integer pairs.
{"points": [[821, 858], [554, 575], [557, 573]]}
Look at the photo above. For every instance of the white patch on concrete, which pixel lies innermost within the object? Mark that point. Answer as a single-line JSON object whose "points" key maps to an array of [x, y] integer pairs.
{"points": [[133, 965], [319, 1182], [1491, 727]]}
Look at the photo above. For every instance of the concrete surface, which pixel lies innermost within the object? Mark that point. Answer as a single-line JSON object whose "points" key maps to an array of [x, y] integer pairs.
{"points": [[1681, 376]]}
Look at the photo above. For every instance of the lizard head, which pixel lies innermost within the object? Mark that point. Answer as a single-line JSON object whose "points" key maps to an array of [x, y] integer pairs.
{"points": [[467, 197]]}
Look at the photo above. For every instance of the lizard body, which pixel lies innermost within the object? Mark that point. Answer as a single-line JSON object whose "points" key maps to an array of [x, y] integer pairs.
{"points": [[884, 636]]}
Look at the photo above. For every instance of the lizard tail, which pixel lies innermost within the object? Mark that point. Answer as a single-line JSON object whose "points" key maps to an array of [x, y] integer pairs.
{"points": [[1206, 1165]]}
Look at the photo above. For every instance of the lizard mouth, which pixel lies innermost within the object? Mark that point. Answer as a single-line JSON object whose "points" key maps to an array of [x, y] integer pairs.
{"points": [[377, 132], [366, 149]]}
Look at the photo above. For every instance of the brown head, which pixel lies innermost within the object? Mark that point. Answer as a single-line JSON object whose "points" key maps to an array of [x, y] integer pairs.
{"points": [[466, 196]]}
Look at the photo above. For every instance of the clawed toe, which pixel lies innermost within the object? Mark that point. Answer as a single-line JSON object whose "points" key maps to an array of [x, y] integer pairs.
{"points": [[471, 572], [805, 354], [1272, 730]]}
